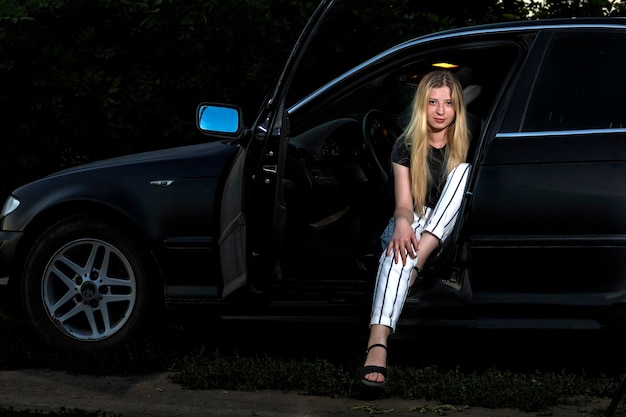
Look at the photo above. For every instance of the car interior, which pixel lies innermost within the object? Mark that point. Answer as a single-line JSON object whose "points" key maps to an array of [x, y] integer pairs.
{"points": [[337, 180]]}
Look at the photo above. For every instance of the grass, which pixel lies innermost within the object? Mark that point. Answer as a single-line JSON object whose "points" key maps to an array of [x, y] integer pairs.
{"points": [[202, 361], [490, 388]]}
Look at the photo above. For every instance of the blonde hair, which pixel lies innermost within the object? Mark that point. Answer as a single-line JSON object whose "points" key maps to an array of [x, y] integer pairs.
{"points": [[416, 133]]}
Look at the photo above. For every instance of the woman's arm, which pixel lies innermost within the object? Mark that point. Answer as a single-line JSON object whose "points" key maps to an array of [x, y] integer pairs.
{"points": [[403, 241]]}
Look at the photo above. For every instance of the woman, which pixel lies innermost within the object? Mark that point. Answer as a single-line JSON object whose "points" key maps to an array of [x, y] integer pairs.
{"points": [[430, 174]]}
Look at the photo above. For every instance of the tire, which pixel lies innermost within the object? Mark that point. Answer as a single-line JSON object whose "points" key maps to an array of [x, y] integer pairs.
{"points": [[84, 285]]}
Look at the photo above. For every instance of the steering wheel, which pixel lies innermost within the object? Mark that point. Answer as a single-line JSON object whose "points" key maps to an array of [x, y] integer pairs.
{"points": [[379, 134]]}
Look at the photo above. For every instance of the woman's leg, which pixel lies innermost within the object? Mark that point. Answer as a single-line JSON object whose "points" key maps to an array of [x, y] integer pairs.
{"points": [[390, 292], [377, 356], [393, 280], [443, 217], [392, 285]]}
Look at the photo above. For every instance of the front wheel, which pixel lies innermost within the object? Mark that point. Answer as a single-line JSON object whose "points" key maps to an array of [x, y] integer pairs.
{"points": [[84, 285]]}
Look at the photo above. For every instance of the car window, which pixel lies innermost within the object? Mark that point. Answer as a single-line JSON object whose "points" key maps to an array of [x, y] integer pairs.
{"points": [[580, 85], [391, 89]]}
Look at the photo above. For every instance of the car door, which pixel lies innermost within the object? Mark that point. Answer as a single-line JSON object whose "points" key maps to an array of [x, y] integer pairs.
{"points": [[547, 223], [253, 212]]}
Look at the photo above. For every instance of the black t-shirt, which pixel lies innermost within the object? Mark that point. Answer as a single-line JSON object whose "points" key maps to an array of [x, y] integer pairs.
{"points": [[401, 154]]}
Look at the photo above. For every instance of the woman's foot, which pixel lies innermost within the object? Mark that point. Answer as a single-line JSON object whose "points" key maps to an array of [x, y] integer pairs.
{"points": [[374, 371]]}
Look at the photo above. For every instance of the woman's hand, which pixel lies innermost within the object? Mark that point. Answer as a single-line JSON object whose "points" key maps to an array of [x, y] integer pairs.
{"points": [[403, 242]]}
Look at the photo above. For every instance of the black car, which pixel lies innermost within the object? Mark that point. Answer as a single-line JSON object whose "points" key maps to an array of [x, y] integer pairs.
{"points": [[281, 220]]}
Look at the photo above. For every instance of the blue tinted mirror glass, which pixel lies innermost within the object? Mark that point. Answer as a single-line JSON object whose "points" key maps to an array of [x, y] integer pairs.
{"points": [[218, 119]]}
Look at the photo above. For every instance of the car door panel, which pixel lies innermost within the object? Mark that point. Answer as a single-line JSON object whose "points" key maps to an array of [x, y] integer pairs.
{"points": [[548, 201]]}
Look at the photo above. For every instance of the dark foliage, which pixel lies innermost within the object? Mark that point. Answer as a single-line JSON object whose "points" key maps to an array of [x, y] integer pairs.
{"points": [[81, 81]]}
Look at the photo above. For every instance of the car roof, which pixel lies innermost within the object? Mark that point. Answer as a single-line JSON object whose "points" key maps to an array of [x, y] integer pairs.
{"points": [[538, 23], [522, 25]]}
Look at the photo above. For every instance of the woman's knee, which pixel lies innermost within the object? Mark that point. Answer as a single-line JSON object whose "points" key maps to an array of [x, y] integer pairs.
{"points": [[461, 170]]}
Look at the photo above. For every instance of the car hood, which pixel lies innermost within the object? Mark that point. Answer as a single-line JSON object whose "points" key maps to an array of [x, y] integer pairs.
{"points": [[217, 153]]}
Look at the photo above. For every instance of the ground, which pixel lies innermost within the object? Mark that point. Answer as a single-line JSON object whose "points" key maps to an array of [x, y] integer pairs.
{"points": [[155, 395]]}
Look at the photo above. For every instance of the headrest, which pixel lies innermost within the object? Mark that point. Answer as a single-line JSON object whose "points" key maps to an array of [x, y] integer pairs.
{"points": [[471, 92]]}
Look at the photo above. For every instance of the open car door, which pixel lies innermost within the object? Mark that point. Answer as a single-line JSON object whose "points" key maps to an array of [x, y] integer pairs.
{"points": [[253, 211]]}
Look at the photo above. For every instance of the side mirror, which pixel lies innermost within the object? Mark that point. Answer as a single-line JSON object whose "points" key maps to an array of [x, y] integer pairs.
{"points": [[219, 119]]}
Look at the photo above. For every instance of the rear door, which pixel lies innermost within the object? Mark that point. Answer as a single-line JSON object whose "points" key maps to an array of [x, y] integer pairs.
{"points": [[548, 210]]}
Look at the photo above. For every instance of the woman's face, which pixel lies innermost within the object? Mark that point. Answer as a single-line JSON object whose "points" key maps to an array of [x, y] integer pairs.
{"points": [[440, 111]]}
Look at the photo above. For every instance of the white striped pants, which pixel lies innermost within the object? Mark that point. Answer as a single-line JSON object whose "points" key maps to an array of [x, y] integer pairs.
{"points": [[393, 279]]}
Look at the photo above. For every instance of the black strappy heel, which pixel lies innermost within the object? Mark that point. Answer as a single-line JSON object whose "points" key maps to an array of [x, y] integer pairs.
{"points": [[369, 369]]}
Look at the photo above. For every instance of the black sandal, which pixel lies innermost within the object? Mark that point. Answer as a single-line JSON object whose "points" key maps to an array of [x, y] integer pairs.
{"points": [[369, 369]]}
